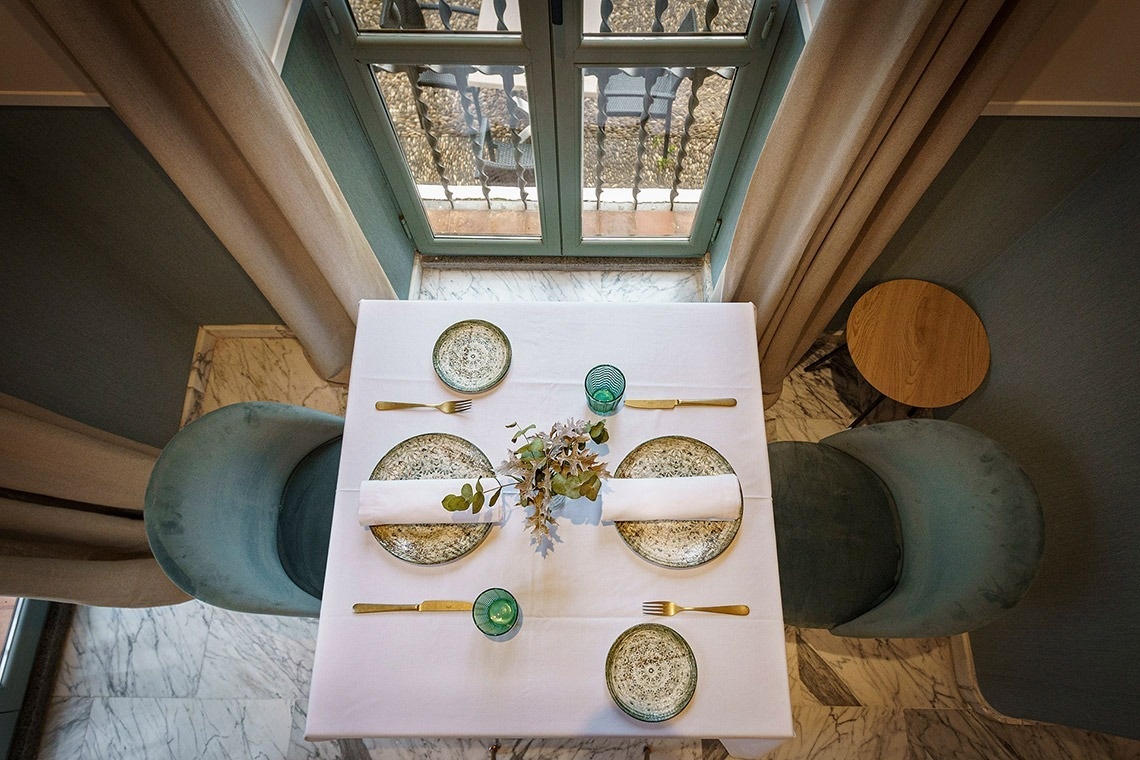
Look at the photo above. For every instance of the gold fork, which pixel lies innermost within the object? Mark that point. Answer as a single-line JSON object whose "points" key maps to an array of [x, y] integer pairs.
{"points": [[669, 609], [447, 407]]}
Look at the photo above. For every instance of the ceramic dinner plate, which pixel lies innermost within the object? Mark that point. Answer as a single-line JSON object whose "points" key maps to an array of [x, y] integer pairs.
{"points": [[471, 356], [651, 672], [425, 457], [676, 543]]}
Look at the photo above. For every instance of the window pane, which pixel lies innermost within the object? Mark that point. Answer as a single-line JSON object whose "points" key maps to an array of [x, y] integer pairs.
{"points": [[647, 151], [410, 16], [653, 17], [466, 138]]}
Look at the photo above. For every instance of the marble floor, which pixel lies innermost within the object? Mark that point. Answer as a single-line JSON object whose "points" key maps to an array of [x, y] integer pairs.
{"points": [[193, 681]]}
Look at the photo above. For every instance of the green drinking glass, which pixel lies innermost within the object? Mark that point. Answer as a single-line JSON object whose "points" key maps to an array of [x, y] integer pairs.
{"points": [[495, 611], [605, 386]]}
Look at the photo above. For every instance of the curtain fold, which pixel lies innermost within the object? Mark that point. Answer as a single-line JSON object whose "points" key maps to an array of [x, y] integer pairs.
{"points": [[77, 533], [882, 95], [191, 82]]}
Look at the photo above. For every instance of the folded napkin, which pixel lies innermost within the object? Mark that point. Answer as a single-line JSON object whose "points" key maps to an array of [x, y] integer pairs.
{"points": [[706, 497], [402, 502]]}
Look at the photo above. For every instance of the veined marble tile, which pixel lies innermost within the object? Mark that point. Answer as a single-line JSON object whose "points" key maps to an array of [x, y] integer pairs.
{"points": [[811, 395], [177, 729], [820, 683], [622, 285], [946, 734], [257, 656], [896, 673], [150, 652], [791, 651], [199, 376], [267, 369], [600, 749], [844, 733], [299, 749], [65, 727], [533, 749]]}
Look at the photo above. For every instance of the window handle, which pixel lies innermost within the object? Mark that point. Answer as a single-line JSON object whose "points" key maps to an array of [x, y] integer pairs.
{"points": [[556, 12]]}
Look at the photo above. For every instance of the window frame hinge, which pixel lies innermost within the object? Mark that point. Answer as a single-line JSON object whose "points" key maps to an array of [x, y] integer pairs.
{"points": [[331, 19], [715, 231], [407, 230]]}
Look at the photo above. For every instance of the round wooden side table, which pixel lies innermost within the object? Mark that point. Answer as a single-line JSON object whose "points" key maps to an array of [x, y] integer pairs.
{"points": [[917, 343]]}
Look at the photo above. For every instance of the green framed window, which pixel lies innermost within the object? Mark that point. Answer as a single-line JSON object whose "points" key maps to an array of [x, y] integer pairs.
{"points": [[513, 127]]}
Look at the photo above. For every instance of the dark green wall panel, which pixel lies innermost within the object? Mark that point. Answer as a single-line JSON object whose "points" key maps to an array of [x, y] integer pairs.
{"points": [[106, 272], [1036, 223], [1062, 309], [313, 78], [1004, 177]]}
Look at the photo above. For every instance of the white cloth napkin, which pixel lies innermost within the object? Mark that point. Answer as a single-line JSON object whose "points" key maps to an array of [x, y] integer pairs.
{"points": [[706, 497], [403, 502]]}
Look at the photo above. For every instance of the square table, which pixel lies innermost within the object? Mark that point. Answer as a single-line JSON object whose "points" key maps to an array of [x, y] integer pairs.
{"points": [[434, 674]]}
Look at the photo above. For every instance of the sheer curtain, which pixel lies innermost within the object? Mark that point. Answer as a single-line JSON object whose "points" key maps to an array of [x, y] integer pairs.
{"points": [[192, 83], [882, 95]]}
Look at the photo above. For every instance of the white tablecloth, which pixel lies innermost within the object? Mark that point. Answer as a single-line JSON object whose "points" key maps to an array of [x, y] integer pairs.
{"points": [[434, 674]]}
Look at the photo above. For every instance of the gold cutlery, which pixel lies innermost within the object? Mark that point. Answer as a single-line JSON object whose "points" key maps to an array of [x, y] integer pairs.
{"points": [[447, 407], [669, 403], [431, 605], [669, 609]]}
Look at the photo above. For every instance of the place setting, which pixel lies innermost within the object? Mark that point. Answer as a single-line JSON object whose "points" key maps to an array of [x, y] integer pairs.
{"points": [[601, 478], [471, 356], [674, 500]]}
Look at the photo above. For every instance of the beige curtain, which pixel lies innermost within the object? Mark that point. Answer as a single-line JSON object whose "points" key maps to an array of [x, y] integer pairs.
{"points": [[882, 95], [71, 500], [191, 82]]}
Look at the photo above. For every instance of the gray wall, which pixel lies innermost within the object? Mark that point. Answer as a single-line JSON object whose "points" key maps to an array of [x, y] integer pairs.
{"points": [[314, 80], [106, 272], [1036, 223]]}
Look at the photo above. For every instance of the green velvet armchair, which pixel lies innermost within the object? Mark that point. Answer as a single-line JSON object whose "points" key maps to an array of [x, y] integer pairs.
{"points": [[913, 528], [239, 507]]}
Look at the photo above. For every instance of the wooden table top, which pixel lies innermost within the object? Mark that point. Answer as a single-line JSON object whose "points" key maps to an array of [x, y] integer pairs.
{"points": [[918, 343]]}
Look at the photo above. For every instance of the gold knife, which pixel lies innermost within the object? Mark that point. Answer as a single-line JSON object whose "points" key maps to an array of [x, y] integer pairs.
{"points": [[431, 605], [669, 403]]}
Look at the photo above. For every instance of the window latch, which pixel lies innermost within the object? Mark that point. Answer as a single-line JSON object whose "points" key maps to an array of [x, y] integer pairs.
{"points": [[332, 20], [768, 22]]}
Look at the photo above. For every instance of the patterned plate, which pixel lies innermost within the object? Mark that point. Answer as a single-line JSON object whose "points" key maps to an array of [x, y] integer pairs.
{"points": [[676, 543], [423, 457], [471, 356], [651, 672]]}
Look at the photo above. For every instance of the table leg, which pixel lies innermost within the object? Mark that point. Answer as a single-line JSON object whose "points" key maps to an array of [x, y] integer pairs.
{"points": [[824, 359], [878, 400]]}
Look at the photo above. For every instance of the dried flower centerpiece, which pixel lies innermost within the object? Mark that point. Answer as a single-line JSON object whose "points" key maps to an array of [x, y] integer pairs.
{"points": [[547, 465]]}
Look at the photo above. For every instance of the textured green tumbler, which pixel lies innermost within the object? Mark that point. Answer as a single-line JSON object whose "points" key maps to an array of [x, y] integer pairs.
{"points": [[605, 385]]}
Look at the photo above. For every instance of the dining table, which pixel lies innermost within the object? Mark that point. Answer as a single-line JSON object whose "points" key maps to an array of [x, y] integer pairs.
{"points": [[434, 674]]}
